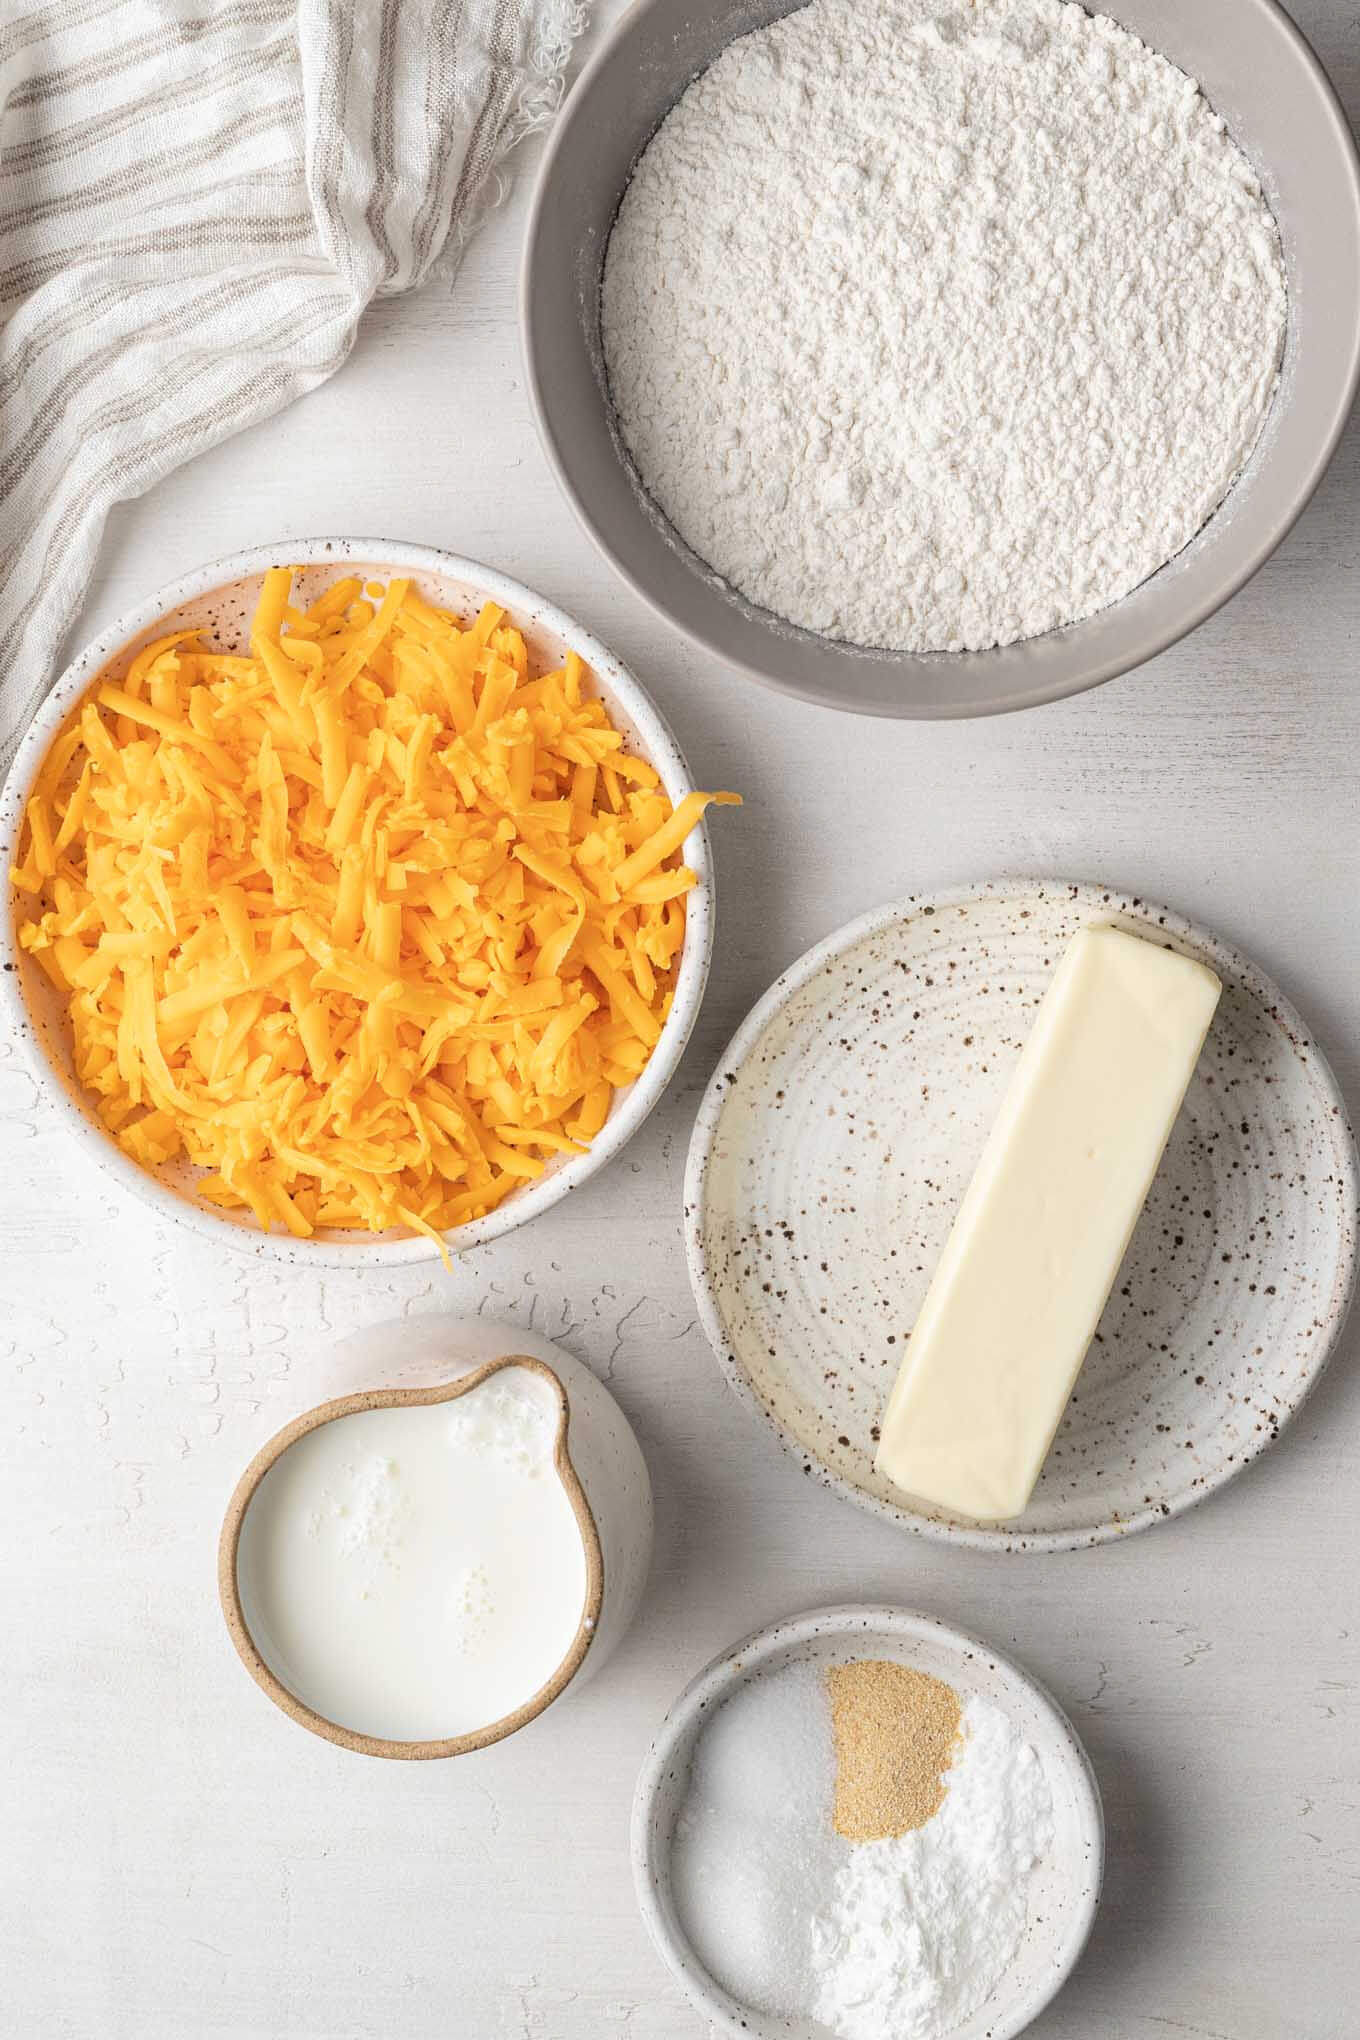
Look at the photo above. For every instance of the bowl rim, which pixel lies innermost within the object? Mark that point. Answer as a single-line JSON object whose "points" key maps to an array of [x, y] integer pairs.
{"points": [[1152, 640], [724, 1672], [615, 681], [1224, 957], [268, 1456]]}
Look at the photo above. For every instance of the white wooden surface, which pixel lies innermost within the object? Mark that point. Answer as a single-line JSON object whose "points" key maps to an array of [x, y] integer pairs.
{"points": [[180, 1862]]}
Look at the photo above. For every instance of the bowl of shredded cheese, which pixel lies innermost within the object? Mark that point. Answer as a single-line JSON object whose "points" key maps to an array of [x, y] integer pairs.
{"points": [[348, 916]]}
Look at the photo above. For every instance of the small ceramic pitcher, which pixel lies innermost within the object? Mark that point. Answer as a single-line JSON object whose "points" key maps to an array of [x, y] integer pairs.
{"points": [[435, 1359]]}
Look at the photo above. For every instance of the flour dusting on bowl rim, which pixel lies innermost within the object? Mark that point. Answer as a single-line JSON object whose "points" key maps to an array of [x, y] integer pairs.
{"points": [[631, 706]]}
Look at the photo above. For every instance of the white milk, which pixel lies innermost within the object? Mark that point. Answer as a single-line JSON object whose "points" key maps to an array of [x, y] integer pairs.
{"points": [[418, 1573]]}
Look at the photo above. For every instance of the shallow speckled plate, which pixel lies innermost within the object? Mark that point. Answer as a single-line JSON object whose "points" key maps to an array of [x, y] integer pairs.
{"points": [[838, 1136], [1066, 1886]]}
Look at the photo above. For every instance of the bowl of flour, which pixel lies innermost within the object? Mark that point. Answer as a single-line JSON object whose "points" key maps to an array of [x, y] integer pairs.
{"points": [[862, 1822], [942, 359]]}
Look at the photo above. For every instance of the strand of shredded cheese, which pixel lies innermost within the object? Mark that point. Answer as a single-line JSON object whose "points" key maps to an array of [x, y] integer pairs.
{"points": [[367, 925]]}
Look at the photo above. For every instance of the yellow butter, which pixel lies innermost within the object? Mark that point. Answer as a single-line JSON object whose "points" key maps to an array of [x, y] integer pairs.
{"points": [[1039, 1237]]}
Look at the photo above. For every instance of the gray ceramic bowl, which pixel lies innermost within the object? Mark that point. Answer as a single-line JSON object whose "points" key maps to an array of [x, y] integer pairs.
{"points": [[1259, 74]]}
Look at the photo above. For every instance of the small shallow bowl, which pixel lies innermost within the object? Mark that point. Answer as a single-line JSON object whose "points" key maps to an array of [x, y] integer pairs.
{"points": [[1066, 1887], [598, 1461], [836, 1139], [221, 598], [1257, 71]]}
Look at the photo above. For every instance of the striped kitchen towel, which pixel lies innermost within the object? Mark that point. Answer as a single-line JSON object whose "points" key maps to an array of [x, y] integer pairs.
{"points": [[197, 200]]}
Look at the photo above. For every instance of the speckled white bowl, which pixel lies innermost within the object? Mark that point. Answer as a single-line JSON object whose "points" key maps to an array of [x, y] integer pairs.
{"points": [[1066, 1887], [221, 597], [840, 1130]]}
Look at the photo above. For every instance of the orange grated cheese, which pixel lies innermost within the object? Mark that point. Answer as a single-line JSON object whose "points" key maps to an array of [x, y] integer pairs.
{"points": [[367, 925]]}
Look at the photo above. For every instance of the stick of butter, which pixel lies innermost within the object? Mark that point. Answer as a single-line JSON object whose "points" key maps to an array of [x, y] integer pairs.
{"points": [[1039, 1237]]}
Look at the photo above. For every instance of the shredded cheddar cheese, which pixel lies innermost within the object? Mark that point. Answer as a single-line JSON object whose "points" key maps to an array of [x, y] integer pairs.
{"points": [[367, 924]]}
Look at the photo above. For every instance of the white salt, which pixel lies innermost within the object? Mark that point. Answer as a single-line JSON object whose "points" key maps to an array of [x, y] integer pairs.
{"points": [[754, 1837]]}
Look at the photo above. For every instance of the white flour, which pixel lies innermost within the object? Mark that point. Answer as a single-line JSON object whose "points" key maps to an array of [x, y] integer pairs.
{"points": [[937, 327], [896, 1940]]}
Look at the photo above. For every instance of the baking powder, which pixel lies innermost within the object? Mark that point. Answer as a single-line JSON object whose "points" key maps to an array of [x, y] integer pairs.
{"points": [[935, 327]]}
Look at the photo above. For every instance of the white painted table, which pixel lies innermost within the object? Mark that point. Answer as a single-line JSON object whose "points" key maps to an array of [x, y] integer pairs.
{"points": [[180, 1862]]}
